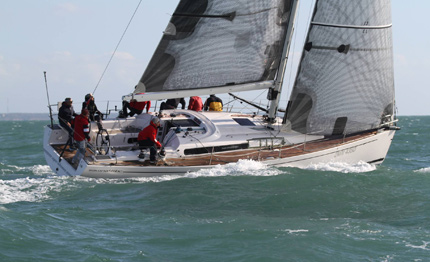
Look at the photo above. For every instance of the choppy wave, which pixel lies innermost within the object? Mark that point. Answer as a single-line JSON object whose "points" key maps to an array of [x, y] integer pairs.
{"points": [[38, 170], [423, 170], [425, 245], [241, 168], [30, 189], [341, 167], [38, 189], [295, 231]]}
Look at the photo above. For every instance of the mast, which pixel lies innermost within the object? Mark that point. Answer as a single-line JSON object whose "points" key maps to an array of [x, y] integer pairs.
{"points": [[274, 93]]}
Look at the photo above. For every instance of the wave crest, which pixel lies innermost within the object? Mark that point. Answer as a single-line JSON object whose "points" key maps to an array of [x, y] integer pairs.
{"points": [[341, 167], [423, 170], [38, 170], [29, 189]]}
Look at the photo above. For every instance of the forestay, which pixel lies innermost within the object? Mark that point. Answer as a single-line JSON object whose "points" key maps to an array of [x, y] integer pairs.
{"points": [[345, 81], [217, 44]]}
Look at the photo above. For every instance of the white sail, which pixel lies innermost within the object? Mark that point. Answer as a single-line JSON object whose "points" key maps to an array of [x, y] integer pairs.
{"points": [[345, 81], [215, 43]]}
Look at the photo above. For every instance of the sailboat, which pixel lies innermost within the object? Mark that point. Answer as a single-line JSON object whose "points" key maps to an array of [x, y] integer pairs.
{"points": [[341, 108]]}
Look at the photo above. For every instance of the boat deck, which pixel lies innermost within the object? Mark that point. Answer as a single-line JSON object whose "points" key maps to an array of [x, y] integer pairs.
{"points": [[257, 154]]}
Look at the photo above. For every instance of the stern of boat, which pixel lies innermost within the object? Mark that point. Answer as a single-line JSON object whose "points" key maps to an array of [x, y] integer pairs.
{"points": [[55, 138]]}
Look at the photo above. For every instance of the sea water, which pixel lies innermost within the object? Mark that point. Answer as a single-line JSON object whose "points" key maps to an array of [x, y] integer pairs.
{"points": [[238, 212]]}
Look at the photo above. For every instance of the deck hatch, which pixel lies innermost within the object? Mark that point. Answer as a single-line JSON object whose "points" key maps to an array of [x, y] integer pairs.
{"points": [[244, 121]]}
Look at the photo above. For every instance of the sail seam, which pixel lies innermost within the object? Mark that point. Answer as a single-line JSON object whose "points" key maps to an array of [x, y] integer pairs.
{"points": [[352, 26]]}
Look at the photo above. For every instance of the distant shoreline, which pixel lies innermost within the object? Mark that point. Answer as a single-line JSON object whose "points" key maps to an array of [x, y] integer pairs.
{"points": [[33, 116]]}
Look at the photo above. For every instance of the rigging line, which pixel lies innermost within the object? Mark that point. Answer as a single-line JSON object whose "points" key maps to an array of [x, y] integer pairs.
{"points": [[116, 48]]}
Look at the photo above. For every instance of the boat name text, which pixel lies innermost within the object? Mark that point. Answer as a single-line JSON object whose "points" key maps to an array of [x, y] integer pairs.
{"points": [[345, 151]]}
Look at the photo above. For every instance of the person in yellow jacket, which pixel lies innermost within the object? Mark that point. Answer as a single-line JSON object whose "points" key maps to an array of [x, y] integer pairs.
{"points": [[213, 103]]}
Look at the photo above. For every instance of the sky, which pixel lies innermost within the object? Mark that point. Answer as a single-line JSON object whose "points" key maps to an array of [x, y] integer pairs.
{"points": [[73, 41]]}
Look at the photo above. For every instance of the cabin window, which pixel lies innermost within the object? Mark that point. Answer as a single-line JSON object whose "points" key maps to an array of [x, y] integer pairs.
{"points": [[182, 122], [208, 150]]}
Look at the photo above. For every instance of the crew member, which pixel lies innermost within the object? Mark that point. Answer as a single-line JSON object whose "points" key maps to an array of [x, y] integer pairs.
{"points": [[173, 103], [135, 107], [90, 104], [66, 113], [195, 103], [213, 103], [82, 131], [148, 137]]}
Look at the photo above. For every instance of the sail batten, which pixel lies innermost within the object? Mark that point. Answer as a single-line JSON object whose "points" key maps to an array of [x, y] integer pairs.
{"points": [[352, 26]]}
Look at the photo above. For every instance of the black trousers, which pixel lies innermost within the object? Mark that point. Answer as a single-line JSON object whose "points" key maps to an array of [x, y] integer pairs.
{"points": [[164, 105], [152, 148]]}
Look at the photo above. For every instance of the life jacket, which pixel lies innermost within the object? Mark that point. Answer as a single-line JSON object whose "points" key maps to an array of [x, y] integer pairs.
{"points": [[215, 106], [213, 103], [195, 104]]}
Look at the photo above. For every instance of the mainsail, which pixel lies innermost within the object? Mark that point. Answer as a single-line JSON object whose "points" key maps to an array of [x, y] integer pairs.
{"points": [[217, 43], [345, 81]]}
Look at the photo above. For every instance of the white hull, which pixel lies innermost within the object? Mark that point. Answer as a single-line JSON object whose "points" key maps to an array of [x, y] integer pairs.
{"points": [[371, 149]]}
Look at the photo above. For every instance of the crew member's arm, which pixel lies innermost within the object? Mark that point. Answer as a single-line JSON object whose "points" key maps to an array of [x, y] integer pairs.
{"points": [[148, 106]]}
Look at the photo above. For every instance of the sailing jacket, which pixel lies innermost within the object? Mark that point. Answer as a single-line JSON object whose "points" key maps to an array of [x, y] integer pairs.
{"points": [[82, 129], [92, 108], [195, 104], [66, 114], [141, 105], [213, 103], [149, 133], [175, 102]]}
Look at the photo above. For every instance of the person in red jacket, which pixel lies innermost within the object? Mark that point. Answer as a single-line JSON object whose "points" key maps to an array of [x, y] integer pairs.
{"points": [[81, 132], [195, 103], [135, 107], [148, 138]]}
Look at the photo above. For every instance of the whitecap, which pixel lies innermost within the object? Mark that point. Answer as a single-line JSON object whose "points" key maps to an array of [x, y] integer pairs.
{"points": [[360, 167], [41, 170], [423, 170], [29, 189], [241, 168], [38, 170], [424, 246], [295, 231]]}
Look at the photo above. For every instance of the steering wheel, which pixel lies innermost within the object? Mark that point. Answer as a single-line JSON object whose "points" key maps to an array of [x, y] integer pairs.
{"points": [[103, 141]]}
